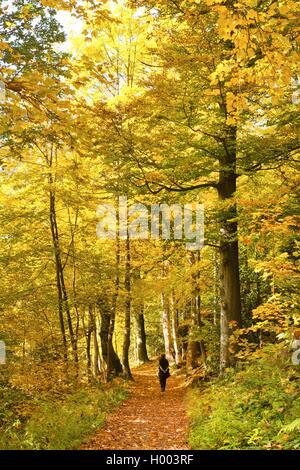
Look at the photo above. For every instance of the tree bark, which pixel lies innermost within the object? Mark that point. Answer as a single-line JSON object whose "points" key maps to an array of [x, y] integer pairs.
{"points": [[126, 341], [68, 313], [141, 353], [141, 347], [195, 346], [178, 356], [63, 303], [166, 324], [230, 297], [192, 348], [216, 301], [93, 330], [57, 271], [113, 364], [116, 366], [88, 348], [165, 301]]}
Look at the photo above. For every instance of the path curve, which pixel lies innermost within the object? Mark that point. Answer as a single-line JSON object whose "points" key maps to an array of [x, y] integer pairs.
{"points": [[148, 419]]}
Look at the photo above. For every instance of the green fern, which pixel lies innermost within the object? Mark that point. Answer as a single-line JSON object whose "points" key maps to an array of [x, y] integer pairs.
{"points": [[291, 427]]}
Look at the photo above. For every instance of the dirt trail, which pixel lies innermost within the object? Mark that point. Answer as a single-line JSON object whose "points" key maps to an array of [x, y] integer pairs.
{"points": [[149, 419]]}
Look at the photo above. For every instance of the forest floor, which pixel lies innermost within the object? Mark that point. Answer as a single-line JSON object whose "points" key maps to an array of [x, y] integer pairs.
{"points": [[149, 419]]}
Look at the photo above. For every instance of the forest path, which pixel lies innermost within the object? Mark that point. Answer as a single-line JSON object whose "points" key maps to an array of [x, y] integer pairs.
{"points": [[148, 419]]}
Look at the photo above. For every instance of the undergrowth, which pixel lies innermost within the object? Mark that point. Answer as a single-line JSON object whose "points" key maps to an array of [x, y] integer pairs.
{"points": [[54, 423], [257, 407]]}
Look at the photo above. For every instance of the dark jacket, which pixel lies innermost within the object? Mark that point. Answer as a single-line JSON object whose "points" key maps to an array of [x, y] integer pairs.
{"points": [[163, 364]]}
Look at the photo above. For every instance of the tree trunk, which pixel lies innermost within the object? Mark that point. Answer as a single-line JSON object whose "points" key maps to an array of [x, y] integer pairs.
{"points": [[73, 250], [88, 349], [229, 257], [166, 324], [58, 279], [63, 304], [178, 357], [197, 290], [116, 366], [97, 367], [126, 341], [140, 333], [194, 346], [105, 319], [166, 327], [93, 329], [216, 288], [68, 313]]}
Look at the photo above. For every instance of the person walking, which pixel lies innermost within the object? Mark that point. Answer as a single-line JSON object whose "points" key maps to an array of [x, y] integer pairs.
{"points": [[163, 371]]}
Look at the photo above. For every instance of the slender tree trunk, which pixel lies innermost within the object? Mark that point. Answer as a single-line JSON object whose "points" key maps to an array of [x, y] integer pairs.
{"points": [[193, 344], [96, 369], [58, 279], [197, 289], [139, 323], [216, 301], [142, 347], [140, 336], [68, 313], [73, 252], [88, 343], [105, 319], [192, 348], [198, 307], [135, 353], [63, 304], [126, 341], [166, 324], [178, 357], [112, 364], [88, 348], [166, 327]]}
